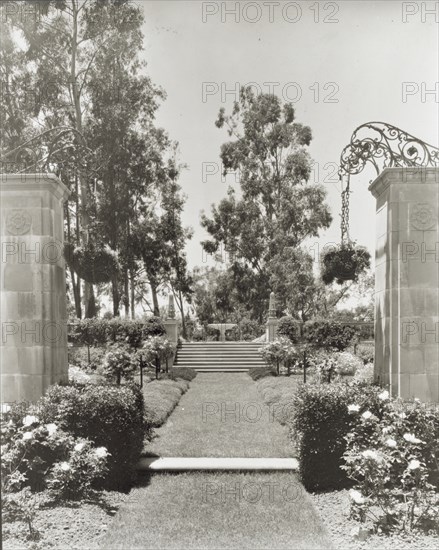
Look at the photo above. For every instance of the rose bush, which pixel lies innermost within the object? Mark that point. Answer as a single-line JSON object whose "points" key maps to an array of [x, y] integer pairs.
{"points": [[41, 455], [120, 363], [392, 456], [157, 349], [279, 351]]}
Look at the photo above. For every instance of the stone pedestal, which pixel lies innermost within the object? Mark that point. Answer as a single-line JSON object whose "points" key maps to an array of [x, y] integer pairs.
{"points": [[407, 281], [271, 329], [33, 288], [171, 326], [272, 322], [171, 323]]}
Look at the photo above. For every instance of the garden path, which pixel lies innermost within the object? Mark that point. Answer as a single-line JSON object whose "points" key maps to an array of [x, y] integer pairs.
{"points": [[222, 415]]}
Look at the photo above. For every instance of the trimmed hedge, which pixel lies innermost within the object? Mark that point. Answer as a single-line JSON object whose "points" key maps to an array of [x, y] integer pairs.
{"points": [[321, 421], [110, 416], [261, 372], [290, 328], [161, 397], [329, 335], [182, 373], [101, 331]]}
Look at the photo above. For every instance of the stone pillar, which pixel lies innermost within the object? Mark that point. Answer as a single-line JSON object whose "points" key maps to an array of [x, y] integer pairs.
{"points": [[33, 286], [272, 321], [171, 323], [407, 282], [171, 326]]}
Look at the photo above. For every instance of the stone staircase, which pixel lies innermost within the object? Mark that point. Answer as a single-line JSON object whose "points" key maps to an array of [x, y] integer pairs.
{"points": [[219, 356]]}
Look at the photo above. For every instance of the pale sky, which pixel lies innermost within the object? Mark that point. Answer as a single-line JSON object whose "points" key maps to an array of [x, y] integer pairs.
{"points": [[361, 61]]}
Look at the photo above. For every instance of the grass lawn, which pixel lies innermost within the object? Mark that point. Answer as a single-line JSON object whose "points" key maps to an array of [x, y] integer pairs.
{"points": [[222, 415], [217, 510]]}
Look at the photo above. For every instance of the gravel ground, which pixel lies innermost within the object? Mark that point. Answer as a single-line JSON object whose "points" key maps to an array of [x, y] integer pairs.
{"points": [[75, 526], [333, 508]]}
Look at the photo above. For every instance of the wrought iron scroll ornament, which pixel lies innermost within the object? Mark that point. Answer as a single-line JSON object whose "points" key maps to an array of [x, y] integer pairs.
{"points": [[46, 152], [384, 146]]}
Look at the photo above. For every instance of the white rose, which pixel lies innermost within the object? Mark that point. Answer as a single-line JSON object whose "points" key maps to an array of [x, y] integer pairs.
{"points": [[28, 420], [384, 395], [411, 438], [51, 428], [356, 496], [79, 446], [101, 452], [391, 442], [370, 454], [366, 415], [65, 466], [414, 464], [353, 408], [28, 435], [5, 408]]}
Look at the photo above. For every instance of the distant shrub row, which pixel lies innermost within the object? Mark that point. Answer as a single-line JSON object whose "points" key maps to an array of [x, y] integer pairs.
{"points": [[101, 331], [329, 335]]}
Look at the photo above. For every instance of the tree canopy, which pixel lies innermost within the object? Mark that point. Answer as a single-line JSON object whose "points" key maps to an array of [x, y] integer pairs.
{"points": [[278, 208]]}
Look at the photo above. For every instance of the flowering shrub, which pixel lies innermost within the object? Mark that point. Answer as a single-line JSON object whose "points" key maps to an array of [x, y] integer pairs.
{"points": [[365, 373], [110, 416], [366, 353], [392, 456], [39, 455], [347, 363], [331, 366], [76, 475], [157, 349], [278, 351], [118, 363], [325, 365]]}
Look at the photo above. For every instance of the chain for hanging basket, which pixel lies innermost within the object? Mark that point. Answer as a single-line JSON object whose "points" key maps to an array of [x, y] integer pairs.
{"points": [[383, 146], [345, 211]]}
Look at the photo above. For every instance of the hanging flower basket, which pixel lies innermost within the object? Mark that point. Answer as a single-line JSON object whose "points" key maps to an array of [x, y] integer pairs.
{"points": [[344, 263], [94, 263]]}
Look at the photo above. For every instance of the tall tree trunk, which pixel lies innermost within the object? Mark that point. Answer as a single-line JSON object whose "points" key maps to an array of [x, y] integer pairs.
{"points": [[89, 298], [180, 305], [155, 300], [133, 283], [126, 294], [76, 284], [115, 296]]}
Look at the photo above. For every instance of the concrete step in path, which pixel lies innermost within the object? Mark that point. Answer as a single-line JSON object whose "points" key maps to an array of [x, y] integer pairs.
{"points": [[185, 464]]}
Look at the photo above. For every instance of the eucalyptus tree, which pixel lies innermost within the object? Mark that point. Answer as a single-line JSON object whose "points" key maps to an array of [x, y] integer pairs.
{"points": [[64, 51], [159, 237], [278, 208]]}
